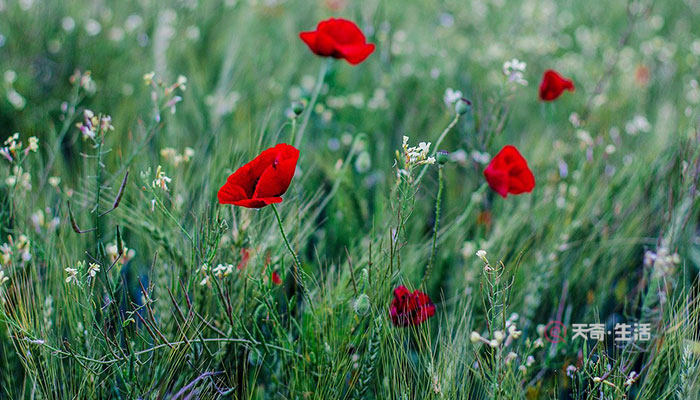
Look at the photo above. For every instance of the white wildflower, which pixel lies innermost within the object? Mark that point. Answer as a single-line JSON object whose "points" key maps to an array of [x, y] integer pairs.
{"points": [[54, 181], [223, 270], [475, 337], [93, 269], [514, 71], [451, 96], [161, 180], [72, 275], [529, 361], [148, 78], [499, 336], [417, 155], [33, 144], [638, 124], [5, 254]]}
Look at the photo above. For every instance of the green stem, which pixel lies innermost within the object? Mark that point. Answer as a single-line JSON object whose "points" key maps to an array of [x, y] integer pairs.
{"points": [[297, 264], [98, 188], [437, 145], [314, 97], [436, 226], [294, 129]]}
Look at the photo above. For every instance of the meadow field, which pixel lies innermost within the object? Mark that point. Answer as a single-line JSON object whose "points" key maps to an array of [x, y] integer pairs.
{"points": [[337, 199]]}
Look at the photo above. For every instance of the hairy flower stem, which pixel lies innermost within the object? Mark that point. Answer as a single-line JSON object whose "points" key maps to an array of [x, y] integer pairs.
{"points": [[314, 97], [98, 187], [297, 264], [438, 142], [294, 129], [436, 227]]}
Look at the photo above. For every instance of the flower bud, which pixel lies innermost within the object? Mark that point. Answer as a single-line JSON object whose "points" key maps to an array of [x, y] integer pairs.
{"points": [[297, 108], [462, 106], [364, 277], [474, 337], [499, 336], [362, 305], [442, 157]]}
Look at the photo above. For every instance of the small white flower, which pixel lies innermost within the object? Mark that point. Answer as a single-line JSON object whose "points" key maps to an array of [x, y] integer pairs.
{"points": [[72, 275], [11, 140], [475, 337], [529, 361], [93, 269], [54, 181], [514, 71], [451, 96], [499, 336], [181, 81], [5, 152], [148, 78], [33, 144], [161, 180]]}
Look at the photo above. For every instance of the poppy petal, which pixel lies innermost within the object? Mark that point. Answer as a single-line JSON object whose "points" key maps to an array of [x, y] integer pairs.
{"points": [[309, 38], [230, 193], [257, 203], [338, 38], [508, 172], [263, 180], [276, 178], [355, 54]]}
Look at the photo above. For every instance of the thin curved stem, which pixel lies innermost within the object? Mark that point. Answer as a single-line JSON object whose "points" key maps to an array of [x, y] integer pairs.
{"points": [[297, 264], [314, 97], [438, 142], [436, 226], [294, 129]]}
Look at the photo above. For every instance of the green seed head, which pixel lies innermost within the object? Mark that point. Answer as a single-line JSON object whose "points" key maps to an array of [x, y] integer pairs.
{"points": [[442, 157], [362, 305], [462, 106], [297, 108]]}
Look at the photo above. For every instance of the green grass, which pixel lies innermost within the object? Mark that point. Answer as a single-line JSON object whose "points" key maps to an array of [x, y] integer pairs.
{"points": [[620, 182]]}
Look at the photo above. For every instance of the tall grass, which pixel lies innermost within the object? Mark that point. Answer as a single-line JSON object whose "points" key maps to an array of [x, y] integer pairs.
{"points": [[127, 279]]}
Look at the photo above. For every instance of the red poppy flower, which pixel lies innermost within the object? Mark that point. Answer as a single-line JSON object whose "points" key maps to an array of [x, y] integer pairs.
{"points": [[508, 173], [276, 278], [410, 308], [262, 181], [553, 85], [245, 257], [338, 38]]}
